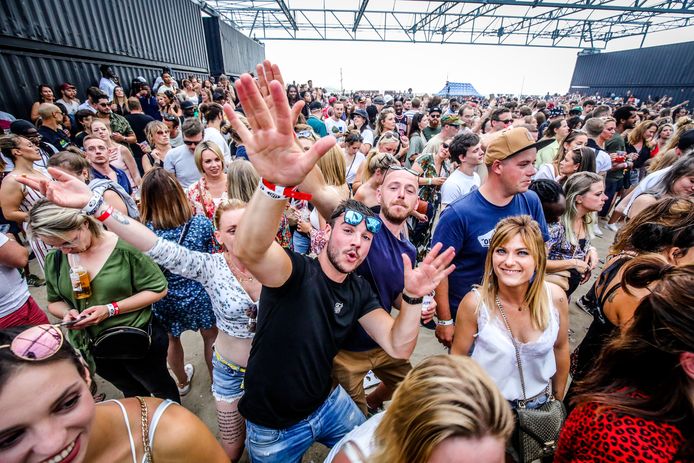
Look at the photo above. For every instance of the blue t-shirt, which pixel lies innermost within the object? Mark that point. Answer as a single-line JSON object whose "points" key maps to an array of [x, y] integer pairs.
{"points": [[468, 224], [385, 262], [121, 178]]}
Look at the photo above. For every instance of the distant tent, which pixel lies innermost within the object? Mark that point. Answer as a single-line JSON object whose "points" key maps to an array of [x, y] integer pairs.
{"points": [[458, 89]]}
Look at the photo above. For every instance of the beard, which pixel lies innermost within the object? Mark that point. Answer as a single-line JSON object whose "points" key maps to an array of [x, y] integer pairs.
{"points": [[393, 217], [333, 255]]}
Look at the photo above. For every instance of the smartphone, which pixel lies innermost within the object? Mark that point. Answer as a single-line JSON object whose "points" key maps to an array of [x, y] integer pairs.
{"points": [[72, 322]]}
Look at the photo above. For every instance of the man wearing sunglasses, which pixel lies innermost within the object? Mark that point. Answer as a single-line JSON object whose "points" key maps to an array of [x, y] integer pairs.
{"points": [[434, 127], [51, 129], [180, 161], [468, 223], [450, 126], [308, 307], [121, 132]]}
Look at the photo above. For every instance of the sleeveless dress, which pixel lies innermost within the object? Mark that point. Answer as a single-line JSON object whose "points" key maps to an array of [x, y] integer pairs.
{"points": [[39, 248]]}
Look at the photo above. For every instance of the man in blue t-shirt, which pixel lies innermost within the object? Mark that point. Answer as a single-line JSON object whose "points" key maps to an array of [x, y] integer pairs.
{"points": [[468, 223]]}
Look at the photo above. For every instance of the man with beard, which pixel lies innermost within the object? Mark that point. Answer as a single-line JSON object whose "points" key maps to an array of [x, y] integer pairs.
{"points": [[434, 127], [400, 117], [121, 132], [308, 306]]}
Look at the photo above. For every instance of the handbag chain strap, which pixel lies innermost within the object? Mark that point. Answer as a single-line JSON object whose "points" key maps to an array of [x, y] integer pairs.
{"points": [[145, 430]]}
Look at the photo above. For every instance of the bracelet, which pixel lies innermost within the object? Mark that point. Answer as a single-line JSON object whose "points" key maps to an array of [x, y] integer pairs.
{"points": [[93, 205], [106, 214], [280, 193], [113, 309], [445, 322], [429, 181], [411, 300]]}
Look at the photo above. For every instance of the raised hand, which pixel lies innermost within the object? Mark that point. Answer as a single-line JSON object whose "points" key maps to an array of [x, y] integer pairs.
{"points": [[426, 277], [65, 190], [270, 143]]}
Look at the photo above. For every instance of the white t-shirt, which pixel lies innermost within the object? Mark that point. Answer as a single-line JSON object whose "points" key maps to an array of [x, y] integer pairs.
{"points": [[353, 167], [603, 162], [181, 162], [72, 106], [367, 137], [14, 291], [458, 184], [335, 127], [214, 135], [648, 183], [545, 172], [362, 437]]}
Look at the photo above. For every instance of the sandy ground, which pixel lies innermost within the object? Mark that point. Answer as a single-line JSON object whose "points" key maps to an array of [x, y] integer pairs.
{"points": [[200, 400]]}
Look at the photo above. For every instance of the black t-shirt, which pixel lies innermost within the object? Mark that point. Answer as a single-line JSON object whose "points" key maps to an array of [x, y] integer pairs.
{"points": [[56, 138], [138, 123], [301, 326]]}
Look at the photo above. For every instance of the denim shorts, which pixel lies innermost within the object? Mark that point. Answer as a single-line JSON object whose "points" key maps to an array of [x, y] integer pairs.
{"points": [[227, 379]]}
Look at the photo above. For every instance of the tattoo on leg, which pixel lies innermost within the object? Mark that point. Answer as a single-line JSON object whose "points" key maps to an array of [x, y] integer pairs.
{"points": [[232, 428]]}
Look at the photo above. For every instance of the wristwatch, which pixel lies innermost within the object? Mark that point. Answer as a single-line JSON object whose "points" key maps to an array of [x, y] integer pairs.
{"points": [[445, 322], [411, 300]]}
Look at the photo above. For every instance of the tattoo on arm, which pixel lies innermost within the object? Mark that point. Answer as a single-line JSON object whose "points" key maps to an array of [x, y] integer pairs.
{"points": [[120, 218]]}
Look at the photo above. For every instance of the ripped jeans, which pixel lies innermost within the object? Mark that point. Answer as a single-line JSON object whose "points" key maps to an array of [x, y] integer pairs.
{"points": [[337, 416]]}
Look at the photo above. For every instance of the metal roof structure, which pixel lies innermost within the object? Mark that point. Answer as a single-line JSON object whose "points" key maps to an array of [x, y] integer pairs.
{"points": [[585, 24]]}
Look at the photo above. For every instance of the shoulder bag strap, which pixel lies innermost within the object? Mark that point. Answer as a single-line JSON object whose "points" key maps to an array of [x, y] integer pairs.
{"points": [[145, 430], [515, 346], [184, 232]]}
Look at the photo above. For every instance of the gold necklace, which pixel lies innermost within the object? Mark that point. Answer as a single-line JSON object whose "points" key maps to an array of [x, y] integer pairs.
{"points": [[238, 273]]}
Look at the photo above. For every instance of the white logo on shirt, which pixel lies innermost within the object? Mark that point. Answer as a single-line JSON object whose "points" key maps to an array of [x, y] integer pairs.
{"points": [[338, 307], [486, 238]]}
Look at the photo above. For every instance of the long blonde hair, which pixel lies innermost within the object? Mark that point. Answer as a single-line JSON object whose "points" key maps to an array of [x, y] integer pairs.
{"points": [[576, 185], [332, 165], [444, 396], [536, 297], [242, 180]]}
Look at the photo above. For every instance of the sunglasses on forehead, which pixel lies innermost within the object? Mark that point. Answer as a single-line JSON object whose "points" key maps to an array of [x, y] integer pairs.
{"points": [[354, 218], [406, 169], [37, 343]]}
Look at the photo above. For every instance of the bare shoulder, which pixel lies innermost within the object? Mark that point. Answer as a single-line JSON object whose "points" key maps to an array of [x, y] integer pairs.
{"points": [[558, 296]]}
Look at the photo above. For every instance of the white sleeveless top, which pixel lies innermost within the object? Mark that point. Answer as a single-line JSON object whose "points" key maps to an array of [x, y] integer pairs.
{"points": [[494, 351]]}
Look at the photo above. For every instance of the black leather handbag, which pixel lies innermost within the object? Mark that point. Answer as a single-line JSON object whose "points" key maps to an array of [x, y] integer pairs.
{"points": [[537, 429], [123, 343]]}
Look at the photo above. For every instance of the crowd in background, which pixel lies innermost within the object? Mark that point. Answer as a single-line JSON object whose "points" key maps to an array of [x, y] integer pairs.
{"points": [[286, 236]]}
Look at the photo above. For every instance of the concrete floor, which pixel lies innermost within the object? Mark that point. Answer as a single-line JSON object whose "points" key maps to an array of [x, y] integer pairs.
{"points": [[200, 400]]}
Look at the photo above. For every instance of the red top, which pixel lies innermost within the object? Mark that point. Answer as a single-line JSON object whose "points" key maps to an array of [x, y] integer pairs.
{"points": [[613, 437]]}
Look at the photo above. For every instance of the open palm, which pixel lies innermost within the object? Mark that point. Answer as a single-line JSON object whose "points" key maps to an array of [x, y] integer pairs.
{"points": [[65, 190], [271, 143], [426, 277]]}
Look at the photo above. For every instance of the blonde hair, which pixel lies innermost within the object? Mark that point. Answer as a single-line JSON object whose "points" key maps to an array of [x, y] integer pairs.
{"points": [[234, 135], [374, 161], [163, 201], [207, 145], [227, 205], [52, 221], [332, 165], [381, 119], [536, 297], [576, 185], [242, 180], [151, 129], [663, 160], [636, 134], [445, 396]]}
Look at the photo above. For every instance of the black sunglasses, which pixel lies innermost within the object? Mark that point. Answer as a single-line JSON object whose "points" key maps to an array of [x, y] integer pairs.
{"points": [[191, 142]]}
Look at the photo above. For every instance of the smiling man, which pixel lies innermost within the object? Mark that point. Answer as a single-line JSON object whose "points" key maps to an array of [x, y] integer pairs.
{"points": [[468, 224]]}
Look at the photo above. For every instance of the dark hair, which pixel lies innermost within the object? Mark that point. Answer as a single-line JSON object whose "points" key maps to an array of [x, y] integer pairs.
{"points": [[589, 103], [498, 112], [82, 114], [549, 191], [622, 114], [551, 130], [635, 368], [8, 143], [585, 158], [192, 127], [211, 111], [9, 362], [665, 224], [574, 122], [163, 201], [40, 88], [414, 125], [167, 117], [94, 94], [461, 143], [683, 167], [353, 205], [353, 136], [134, 104]]}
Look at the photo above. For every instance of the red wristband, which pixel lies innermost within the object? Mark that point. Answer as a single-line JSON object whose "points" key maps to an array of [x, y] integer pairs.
{"points": [[115, 307], [106, 214], [282, 192]]}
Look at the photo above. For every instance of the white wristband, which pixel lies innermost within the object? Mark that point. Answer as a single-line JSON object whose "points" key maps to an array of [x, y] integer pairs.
{"points": [[445, 322]]}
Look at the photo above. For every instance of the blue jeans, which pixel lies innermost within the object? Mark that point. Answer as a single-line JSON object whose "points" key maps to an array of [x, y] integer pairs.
{"points": [[301, 243], [227, 379], [337, 416]]}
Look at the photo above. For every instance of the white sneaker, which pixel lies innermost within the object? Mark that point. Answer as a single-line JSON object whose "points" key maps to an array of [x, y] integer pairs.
{"points": [[370, 380], [596, 230], [190, 371], [612, 226]]}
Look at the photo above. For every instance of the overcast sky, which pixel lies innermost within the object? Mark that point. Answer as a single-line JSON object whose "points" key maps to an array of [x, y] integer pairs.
{"points": [[425, 67]]}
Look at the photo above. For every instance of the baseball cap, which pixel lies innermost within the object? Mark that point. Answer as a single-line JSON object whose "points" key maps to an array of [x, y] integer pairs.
{"points": [[187, 104], [556, 112], [66, 85], [360, 112], [315, 105], [435, 109], [379, 100], [686, 140], [388, 98], [451, 119], [511, 142]]}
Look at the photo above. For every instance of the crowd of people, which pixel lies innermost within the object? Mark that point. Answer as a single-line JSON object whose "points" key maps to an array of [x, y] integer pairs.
{"points": [[310, 238]]}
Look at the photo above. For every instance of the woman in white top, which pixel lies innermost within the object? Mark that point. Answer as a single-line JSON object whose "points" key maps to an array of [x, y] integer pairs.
{"points": [[537, 312], [446, 410], [233, 291], [214, 115], [353, 156], [554, 170], [48, 413]]}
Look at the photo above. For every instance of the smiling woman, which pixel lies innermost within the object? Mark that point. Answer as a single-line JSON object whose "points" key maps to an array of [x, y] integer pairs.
{"points": [[49, 415]]}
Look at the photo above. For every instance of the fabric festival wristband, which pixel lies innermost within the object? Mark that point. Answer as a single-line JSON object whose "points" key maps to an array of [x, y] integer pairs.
{"points": [[113, 309], [445, 322], [281, 192], [93, 205], [106, 214]]}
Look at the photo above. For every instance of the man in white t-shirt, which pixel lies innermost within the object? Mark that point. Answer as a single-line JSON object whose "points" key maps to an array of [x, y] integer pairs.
{"points": [[17, 307], [334, 124], [466, 150]]}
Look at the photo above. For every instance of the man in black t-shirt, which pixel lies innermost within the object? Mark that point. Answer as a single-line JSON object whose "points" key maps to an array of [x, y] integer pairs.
{"points": [[307, 307], [138, 120]]}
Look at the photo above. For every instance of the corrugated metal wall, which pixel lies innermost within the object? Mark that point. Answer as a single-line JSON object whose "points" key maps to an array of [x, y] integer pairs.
{"points": [[656, 71], [228, 50], [54, 41]]}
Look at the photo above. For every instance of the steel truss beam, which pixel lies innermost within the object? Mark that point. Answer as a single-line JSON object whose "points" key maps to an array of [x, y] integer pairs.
{"points": [[553, 23]]}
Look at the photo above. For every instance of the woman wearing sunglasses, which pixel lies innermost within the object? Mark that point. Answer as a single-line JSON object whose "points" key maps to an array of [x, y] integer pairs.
{"points": [[157, 134], [48, 413], [234, 292]]}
